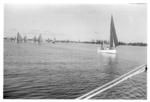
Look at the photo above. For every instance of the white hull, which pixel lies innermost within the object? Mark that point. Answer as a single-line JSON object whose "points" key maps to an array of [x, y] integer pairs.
{"points": [[111, 51]]}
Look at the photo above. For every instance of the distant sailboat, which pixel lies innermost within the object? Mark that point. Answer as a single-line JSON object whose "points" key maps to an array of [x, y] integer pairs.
{"points": [[54, 40], [19, 38], [25, 39], [34, 39], [40, 39], [113, 40]]}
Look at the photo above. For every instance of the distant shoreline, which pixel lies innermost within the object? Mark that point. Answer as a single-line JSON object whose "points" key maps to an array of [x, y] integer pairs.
{"points": [[86, 42]]}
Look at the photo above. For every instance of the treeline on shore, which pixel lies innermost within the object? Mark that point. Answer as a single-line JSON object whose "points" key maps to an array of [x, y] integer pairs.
{"points": [[119, 43], [19, 39]]}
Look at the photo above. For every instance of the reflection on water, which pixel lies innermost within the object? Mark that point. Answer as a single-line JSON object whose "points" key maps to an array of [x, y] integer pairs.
{"points": [[67, 71], [108, 55], [109, 61]]}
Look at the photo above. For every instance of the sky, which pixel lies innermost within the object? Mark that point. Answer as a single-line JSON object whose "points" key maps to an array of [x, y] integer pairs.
{"points": [[84, 22]]}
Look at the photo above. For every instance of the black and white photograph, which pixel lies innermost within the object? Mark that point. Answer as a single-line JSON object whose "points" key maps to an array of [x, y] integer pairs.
{"points": [[75, 51]]}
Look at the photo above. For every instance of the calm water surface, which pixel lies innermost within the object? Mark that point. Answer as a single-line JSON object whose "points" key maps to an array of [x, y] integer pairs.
{"points": [[67, 71]]}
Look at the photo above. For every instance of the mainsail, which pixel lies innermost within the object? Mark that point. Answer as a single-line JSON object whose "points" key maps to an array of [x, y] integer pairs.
{"points": [[113, 36]]}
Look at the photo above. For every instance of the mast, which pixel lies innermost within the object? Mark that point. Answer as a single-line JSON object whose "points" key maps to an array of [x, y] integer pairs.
{"points": [[113, 36]]}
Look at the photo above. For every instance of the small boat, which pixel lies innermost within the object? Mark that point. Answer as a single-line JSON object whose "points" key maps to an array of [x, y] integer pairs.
{"points": [[54, 40], [113, 41]]}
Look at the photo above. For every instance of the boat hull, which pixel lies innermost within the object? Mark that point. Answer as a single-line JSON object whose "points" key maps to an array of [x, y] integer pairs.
{"points": [[110, 51]]}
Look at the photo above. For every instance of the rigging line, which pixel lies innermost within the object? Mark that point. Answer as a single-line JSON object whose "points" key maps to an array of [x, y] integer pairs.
{"points": [[114, 82]]}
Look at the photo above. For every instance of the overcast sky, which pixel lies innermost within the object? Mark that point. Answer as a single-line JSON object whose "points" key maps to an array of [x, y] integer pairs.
{"points": [[77, 22]]}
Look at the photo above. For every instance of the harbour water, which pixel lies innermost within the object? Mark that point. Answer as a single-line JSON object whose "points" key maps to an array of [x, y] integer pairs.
{"points": [[69, 70]]}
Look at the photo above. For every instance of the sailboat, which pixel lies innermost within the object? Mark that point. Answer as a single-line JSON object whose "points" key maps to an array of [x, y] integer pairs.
{"points": [[113, 40], [19, 38], [39, 40]]}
